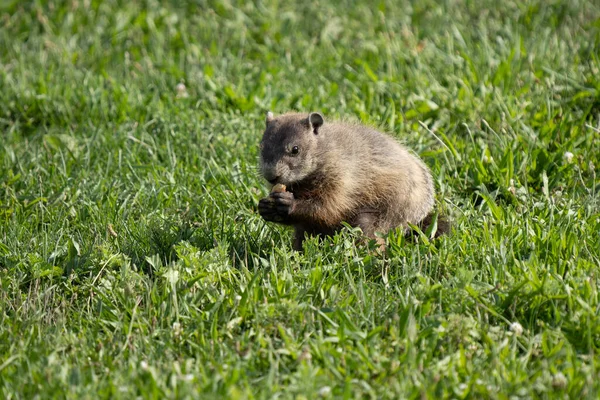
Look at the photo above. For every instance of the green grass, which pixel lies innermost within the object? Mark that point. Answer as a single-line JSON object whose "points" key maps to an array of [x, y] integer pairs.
{"points": [[133, 261]]}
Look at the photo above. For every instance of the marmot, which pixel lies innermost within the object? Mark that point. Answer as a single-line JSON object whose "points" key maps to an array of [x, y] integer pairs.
{"points": [[336, 172]]}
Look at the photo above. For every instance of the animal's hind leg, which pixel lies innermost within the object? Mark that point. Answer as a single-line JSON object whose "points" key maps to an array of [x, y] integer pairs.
{"points": [[367, 221]]}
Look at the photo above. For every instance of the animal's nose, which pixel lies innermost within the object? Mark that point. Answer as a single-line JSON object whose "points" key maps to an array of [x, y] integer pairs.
{"points": [[269, 172]]}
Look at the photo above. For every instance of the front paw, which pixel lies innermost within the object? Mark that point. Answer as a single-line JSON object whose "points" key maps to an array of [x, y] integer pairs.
{"points": [[278, 207]]}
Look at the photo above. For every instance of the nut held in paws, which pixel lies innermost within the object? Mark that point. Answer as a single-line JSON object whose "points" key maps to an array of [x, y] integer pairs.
{"points": [[278, 188]]}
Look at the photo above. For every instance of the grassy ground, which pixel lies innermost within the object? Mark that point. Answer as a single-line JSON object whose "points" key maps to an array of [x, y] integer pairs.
{"points": [[132, 258]]}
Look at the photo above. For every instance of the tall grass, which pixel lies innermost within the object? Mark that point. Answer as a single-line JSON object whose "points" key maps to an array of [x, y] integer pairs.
{"points": [[133, 261]]}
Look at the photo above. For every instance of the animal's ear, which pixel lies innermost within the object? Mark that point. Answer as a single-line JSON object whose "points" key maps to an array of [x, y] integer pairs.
{"points": [[316, 121], [270, 117]]}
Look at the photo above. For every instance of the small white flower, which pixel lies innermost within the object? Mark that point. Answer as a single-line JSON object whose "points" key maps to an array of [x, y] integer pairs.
{"points": [[144, 365], [305, 355], [487, 159], [325, 391], [511, 187], [176, 328], [568, 157], [517, 328], [181, 90], [559, 381]]}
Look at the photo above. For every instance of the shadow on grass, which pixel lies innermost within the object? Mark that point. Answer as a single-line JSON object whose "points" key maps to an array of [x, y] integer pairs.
{"points": [[159, 238]]}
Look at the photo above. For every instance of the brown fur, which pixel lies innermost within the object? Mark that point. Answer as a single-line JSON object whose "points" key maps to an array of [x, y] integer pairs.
{"points": [[338, 172]]}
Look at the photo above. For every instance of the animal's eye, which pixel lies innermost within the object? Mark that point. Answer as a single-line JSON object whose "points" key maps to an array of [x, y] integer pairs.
{"points": [[295, 150]]}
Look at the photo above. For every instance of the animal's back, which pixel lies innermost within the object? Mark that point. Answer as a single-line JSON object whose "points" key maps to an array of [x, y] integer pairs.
{"points": [[382, 174]]}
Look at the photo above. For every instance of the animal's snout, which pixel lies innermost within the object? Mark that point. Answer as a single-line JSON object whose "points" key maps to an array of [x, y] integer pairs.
{"points": [[270, 173]]}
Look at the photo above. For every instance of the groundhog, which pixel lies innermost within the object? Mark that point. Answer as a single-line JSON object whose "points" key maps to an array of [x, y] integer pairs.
{"points": [[326, 173]]}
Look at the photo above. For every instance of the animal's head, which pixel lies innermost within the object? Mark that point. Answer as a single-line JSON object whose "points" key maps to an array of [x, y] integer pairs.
{"points": [[288, 150]]}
